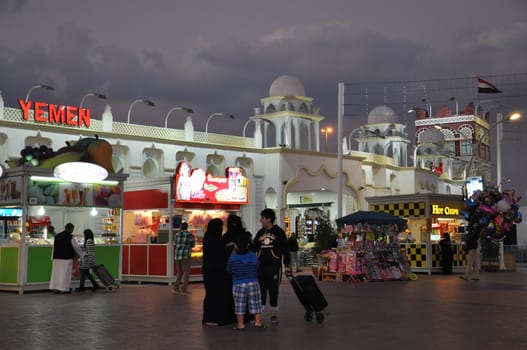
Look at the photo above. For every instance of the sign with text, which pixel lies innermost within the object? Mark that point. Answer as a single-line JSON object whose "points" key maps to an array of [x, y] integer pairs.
{"points": [[49, 113], [446, 210], [195, 185]]}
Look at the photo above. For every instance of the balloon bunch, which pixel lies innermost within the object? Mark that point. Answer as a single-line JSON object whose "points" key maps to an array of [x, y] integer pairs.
{"points": [[492, 212]]}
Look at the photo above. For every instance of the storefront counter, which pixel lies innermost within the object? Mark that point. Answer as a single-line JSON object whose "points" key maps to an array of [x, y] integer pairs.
{"points": [[425, 257], [38, 265], [150, 262]]}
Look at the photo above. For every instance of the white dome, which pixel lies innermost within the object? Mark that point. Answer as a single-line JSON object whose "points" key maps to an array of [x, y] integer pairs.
{"points": [[382, 114], [287, 85], [432, 135]]}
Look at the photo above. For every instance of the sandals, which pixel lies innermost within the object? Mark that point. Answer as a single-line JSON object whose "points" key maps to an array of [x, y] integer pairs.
{"points": [[239, 328], [262, 326]]}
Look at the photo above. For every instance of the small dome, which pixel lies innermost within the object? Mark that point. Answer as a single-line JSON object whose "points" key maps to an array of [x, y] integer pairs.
{"points": [[287, 85], [432, 135], [382, 114]]}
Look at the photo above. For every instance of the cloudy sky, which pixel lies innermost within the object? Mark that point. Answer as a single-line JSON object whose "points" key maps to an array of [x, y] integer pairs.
{"points": [[222, 56]]}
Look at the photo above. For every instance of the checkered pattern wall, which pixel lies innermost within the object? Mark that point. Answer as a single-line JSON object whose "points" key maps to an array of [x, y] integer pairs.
{"points": [[460, 256], [416, 254], [406, 210]]}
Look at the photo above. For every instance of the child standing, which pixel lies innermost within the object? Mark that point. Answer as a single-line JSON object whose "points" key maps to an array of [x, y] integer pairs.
{"points": [[243, 265]]}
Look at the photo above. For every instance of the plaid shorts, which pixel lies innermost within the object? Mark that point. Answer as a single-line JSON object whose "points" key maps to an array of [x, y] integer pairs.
{"points": [[247, 292]]}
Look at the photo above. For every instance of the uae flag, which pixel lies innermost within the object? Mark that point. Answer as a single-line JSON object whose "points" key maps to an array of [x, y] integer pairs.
{"points": [[484, 87]]}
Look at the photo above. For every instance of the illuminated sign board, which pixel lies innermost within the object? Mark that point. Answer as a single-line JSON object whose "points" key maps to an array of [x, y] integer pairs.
{"points": [[195, 185], [10, 212], [474, 184], [81, 172], [445, 210], [49, 113]]}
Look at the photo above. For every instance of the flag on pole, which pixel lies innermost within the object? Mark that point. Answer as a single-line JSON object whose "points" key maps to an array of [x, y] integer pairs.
{"points": [[484, 87]]}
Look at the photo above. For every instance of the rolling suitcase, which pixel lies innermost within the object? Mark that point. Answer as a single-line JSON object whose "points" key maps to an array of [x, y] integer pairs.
{"points": [[309, 295], [105, 276]]}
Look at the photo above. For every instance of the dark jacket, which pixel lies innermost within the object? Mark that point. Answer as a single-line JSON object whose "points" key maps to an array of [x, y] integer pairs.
{"points": [[271, 247], [62, 247], [293, 244], [472, 240]]}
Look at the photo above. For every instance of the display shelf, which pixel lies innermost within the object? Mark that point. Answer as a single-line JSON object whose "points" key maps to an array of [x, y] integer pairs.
{"points": [[105, 225]]}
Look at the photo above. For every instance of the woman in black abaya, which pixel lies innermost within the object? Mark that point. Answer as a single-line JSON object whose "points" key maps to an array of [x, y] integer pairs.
{"points": [[218, 305]]}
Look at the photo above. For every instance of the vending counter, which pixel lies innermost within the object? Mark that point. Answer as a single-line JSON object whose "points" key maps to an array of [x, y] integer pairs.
{"points": [[155, 208], [36, 207]]}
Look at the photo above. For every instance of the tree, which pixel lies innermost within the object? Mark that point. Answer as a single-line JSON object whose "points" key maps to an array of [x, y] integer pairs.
{"points": [[325, 235]]}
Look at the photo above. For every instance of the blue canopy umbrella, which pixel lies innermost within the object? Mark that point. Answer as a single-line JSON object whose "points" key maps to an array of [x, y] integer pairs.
{"points": [[371, 217]]}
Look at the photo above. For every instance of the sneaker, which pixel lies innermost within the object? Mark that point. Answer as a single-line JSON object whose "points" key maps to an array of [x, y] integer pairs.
{"points": [[274, 319], [186, 292], [175, 290], [463, 278]]}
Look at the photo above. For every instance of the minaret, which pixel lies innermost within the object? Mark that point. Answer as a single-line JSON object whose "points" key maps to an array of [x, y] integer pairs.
{"points": [[290, 114]]}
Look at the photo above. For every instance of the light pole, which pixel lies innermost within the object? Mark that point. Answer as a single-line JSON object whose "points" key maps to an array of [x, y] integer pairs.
{"points": [[350, 139], [457, 104], [95, 94], [146, 102], [499, 139], [251, 119], [326, 131], [215, 115], [340, 129], [40, 86], [499, 133], [179, 108]]}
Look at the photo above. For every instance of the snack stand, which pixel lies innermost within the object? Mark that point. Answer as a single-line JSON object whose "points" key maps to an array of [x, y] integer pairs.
{"points": [[154, 210], [32, 200], [371, 253]]}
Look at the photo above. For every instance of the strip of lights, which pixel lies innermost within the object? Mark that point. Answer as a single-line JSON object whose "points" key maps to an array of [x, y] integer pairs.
{"points": [[55, 179]]}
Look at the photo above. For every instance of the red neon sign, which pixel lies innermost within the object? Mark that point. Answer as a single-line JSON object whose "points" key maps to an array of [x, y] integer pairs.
{"points": [[194, 185], [56, 114]]}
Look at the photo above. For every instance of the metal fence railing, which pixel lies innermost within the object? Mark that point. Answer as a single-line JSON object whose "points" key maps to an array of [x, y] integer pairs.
{"points": [[520, 251]]}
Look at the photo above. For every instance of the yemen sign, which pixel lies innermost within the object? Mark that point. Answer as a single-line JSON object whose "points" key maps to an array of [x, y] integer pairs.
{"points": [[49, 113]]}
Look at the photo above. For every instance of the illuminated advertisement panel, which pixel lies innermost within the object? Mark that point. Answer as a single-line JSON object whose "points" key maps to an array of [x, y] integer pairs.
{"points": [[195, 185], [474, 184]]}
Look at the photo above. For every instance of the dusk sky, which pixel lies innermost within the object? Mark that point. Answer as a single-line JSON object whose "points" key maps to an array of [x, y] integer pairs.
{"points": [[222, 56]]}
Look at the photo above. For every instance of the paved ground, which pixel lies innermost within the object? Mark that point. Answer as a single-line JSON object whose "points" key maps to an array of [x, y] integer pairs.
{"points": [[435, 312]]}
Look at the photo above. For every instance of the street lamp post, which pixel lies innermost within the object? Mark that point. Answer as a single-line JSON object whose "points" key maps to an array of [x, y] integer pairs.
{"points": [[179, 108], [340, 129], [326, 131], [215, 115], [499, 133], [146, 102], [95, 94], [251, 119], [499, 138], [350, 139], [40, 86]]}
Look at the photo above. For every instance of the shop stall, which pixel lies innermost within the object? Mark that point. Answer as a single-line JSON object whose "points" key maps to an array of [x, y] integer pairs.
{"points": [[154, 210], [429, 217], [35, 204], [367, 249]]}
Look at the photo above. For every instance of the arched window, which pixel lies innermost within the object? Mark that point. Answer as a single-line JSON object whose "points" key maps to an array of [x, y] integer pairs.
{"points": [[270, 109]]}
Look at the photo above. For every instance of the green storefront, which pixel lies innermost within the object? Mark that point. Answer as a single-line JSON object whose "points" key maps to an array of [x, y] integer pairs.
{"points": [[33, 202]]}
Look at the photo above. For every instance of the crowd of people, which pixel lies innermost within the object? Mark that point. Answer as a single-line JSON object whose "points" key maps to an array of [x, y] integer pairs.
{"points": [[242, 275]]}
